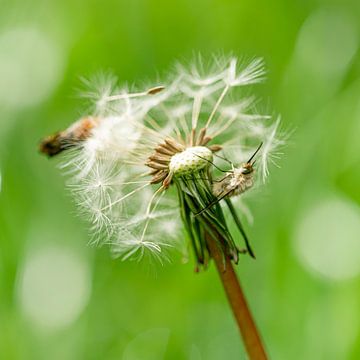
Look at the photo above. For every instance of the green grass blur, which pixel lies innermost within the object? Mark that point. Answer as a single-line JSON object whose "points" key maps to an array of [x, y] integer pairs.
{"points": [[304, 287]]}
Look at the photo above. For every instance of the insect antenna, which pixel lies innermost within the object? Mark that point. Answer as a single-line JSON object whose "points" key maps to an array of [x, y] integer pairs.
{"points": [[224, 158], [253, 155], [240, 227], [214, 202], [210, 162]]}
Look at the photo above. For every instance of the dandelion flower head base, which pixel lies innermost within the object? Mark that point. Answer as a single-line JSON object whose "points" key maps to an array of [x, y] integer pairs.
{"points": [[181, 131], [190, 160], [173, 158]]}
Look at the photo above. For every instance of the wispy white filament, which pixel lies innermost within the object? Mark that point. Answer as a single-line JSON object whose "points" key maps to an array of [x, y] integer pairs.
{"points": [[111, 181]]}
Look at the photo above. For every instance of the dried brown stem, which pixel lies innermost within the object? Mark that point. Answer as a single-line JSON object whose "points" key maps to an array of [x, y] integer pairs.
{"points": [[236, 298]]}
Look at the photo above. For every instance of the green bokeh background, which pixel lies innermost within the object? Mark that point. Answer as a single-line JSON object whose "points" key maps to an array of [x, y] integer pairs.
{"points": [[169, 312]]}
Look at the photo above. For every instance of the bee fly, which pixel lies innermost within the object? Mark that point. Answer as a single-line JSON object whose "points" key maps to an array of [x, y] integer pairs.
{"points": [[68, 138], [235, 182]]}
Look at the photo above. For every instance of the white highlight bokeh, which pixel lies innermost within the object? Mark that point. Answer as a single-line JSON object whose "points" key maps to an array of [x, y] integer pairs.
{"points": [[31, 66], [327, 238], [54, 286]]}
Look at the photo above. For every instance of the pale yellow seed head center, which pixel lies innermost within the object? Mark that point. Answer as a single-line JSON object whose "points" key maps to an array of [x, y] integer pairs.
{"points": [[190, 160]]}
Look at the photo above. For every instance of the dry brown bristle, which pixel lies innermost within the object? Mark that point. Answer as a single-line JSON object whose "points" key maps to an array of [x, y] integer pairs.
{"points": [[159, 159], [202, 134], [165, 150], [160, 176], [206, 140], [155, 165], [215, 147], [153, 172], [155, 90], [174, 145], [167, 181]]}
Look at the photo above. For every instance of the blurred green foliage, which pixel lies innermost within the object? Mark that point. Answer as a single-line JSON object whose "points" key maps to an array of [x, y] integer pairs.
{"points": [[306, 300]]}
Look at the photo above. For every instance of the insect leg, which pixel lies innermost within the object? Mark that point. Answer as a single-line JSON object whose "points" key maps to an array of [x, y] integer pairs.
{"points": [[201, 178], [224, 171], [222, 195], [256, 151], [240, 227], [224, 158]]}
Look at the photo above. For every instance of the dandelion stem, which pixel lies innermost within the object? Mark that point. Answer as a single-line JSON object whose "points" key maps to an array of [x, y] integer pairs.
{"points": [[236, 298]]}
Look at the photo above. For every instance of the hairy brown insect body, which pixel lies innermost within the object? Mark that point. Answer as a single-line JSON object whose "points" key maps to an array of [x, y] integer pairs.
{"points": [[72, 136], [235, 182]]}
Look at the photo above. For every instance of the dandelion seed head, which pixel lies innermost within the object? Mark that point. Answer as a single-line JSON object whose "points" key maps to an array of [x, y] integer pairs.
{"points": [[144, 141], [251, 74]]}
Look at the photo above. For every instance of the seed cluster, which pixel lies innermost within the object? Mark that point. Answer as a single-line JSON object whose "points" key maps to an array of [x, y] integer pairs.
{"points": [[192, 159], [180, 157]]}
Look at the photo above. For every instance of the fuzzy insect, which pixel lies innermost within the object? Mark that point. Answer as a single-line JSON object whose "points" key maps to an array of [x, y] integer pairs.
{"points": [[235, 182], [68, 138]]}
